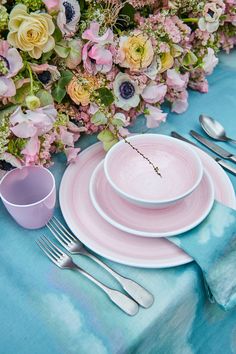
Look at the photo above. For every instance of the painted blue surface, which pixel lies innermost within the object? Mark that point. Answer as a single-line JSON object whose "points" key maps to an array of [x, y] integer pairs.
{"points": [[45, 310]]}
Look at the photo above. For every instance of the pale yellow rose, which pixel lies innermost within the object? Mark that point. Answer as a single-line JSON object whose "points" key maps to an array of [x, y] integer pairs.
{"points": [[167, 61], [136, 52], [32, 32], [80, 89]]}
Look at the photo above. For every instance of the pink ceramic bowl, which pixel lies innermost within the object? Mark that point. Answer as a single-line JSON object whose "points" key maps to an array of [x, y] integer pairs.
{"points": [[134, 179]]}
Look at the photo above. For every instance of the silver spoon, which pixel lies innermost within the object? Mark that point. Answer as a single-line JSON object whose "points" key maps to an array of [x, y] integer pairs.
{"points": [[214, 129]]}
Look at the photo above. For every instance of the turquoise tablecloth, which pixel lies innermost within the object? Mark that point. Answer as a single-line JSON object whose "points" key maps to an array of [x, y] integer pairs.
{"points": [[46, 310]]}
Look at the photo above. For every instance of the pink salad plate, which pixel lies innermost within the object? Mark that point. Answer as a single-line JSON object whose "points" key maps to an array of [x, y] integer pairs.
{"points": [[101, 237], [169, 221]]}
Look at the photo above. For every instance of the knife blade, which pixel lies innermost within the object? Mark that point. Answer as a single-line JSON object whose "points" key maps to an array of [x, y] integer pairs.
{"points": [[221, 162], [213, 147]]}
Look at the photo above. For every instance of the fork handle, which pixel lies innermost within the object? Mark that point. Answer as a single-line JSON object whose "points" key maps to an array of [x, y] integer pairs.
{"points": [[121, 300], [136, 291]]}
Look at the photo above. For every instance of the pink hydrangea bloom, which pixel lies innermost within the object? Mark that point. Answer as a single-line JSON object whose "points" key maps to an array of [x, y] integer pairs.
{"points": [[71, 154]]}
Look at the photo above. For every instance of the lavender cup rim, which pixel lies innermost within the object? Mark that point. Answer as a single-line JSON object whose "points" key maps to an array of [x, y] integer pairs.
{"points": [[32, 204]]}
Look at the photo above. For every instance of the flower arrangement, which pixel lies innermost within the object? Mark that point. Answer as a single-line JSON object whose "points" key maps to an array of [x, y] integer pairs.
{"points": [[72, 67]]}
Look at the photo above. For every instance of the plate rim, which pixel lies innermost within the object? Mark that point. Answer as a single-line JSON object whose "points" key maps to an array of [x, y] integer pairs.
{"points": [[131, 231], [167, 263]]}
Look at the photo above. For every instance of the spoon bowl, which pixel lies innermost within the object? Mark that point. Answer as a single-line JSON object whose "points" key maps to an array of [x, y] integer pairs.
{"points": [[214, 129]]}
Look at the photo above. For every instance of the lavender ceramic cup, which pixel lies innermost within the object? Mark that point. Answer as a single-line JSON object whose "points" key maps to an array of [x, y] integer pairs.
{"points": [[29, 194]]}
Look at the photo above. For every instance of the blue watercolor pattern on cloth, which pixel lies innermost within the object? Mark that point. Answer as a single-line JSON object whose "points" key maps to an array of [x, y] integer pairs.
{"points": [[44, 310], [212, 244]]}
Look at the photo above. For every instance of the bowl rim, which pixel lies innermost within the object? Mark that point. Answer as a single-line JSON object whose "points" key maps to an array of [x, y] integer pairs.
{"points": [[148, 201], [52, 190]]}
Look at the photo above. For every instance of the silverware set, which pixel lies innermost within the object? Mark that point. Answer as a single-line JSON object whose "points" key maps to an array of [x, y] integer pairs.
{"points": [[216, 131], [129, 304]]}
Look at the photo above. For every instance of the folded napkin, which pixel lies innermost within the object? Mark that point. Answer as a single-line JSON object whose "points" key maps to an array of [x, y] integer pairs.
{"points": [[212, 244]]}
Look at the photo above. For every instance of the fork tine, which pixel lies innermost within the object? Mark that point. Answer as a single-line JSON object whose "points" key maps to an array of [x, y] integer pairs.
{"points": [[49, 247], [46, 251], [58, 252], [61, 227], [57, 235]]}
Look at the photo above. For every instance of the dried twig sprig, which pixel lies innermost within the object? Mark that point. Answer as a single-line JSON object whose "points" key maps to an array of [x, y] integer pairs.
{"points": [[156, 168]]}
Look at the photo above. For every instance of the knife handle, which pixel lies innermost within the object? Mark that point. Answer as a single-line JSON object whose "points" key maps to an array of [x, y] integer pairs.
{"points": [[226, 166], [232, 158]]}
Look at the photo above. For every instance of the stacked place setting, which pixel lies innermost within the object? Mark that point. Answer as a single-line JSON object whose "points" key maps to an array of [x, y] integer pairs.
{"points": [[119, 206]]}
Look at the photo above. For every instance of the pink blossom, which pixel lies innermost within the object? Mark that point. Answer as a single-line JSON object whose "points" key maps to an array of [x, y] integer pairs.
{"points": [[67, 138], [154, 117], [92, 34], [97, 53], [71, 154], [181, 103], [209, 61], [31, 123], [12, 64], [154, 93], [31, 151], [51, 5], [176, 80]]}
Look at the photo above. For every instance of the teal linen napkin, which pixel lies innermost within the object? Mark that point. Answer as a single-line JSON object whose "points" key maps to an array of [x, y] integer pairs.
{"points": [[212, 244]]}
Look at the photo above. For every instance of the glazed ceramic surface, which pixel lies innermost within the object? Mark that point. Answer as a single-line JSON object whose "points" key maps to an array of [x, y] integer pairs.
{"points": [[168, 221], [110, 242], [29, 194], [134, 179]]}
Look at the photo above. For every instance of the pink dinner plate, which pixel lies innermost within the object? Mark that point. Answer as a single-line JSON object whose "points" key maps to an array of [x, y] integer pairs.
{"points": [[110, 242], [169, 221]]}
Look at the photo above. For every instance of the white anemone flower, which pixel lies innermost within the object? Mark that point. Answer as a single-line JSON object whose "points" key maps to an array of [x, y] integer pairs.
{"points": [[126, 92], [68, 16]]}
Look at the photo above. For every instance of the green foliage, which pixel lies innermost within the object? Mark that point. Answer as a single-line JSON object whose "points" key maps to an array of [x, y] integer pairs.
{"points": [[59, 90], [16, 146], [107, 138], [45, 97], [21, 94], [99, 118], [105, 96]]}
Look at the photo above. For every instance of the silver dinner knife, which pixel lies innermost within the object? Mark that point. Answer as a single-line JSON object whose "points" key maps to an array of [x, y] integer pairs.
{"points": [[221, 162], [213, 147]]}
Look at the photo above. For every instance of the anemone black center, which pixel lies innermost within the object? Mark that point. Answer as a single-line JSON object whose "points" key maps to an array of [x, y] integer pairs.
{"points": [[45, 77], [69, 11], [211, 13], [127, 90]]}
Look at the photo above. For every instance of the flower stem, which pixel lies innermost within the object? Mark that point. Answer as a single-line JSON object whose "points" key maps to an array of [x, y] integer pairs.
{"points": [[156, 168], [31, 78], [190, 19]]}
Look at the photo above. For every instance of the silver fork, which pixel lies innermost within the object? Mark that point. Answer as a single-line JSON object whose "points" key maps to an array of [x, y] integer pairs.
{"points": [[62, 260], [74, 246]]}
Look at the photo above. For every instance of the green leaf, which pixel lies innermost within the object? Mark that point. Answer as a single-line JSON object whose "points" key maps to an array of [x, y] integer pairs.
{"points": [[45, 97], [61, 51], [46, 56], [99, 118], [65, 78], [105, 95], [7, 110], [128, 13], [189, 59], [58, 93], [107, 138], [21, 94], [57, 35], [117, 122], [82, 4]]}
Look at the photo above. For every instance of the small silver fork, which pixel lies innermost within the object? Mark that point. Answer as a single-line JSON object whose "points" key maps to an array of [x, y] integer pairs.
{"points": [[62, 260], [74, 246]]}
